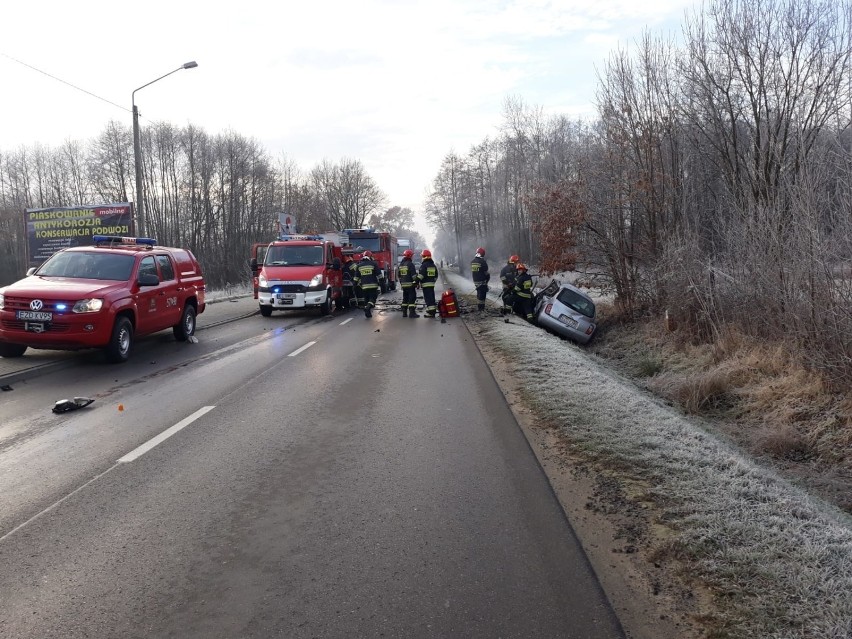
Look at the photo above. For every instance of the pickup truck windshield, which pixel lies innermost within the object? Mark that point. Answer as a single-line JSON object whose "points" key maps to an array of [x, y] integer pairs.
{"points": [[92, 265], [295, 256]]}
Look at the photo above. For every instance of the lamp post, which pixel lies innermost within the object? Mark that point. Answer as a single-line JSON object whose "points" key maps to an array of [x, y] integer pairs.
{"points": [[137, 147]]}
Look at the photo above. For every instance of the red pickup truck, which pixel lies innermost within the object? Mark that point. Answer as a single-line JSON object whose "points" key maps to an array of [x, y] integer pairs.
{"points": [[102, 296]]}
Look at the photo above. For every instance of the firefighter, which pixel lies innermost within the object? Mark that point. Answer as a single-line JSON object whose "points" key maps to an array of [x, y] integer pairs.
{"points": [[346, 273], [367, 277], [427, 277], [507, 278], [479, 273], [523, 293], [356, 290], [407, 276]]}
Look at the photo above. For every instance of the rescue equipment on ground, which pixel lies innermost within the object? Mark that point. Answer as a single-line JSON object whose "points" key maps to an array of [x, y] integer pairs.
{"points": [[448, 306]]}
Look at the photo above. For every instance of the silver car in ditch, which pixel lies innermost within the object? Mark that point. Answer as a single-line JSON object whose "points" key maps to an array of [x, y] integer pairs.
{"points": [[566, 310]]}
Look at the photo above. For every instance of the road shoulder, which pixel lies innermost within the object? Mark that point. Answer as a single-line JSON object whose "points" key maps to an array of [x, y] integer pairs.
{"points": [[618, 533]]}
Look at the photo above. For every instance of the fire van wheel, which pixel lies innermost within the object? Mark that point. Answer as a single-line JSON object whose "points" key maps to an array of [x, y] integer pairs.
{"points": [[325, 307], [118, 349], [266, 311], [186, 327], [11, 350]]}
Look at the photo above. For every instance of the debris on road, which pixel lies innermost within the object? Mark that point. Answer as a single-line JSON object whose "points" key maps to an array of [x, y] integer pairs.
{"points": [[65, 405]]}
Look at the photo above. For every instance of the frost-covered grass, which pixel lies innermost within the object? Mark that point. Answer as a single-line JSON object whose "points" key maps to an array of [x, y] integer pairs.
{"points": [[778, 560], [228, 292]]}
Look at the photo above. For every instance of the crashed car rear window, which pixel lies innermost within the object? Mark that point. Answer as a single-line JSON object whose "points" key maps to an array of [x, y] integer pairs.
{"points": [[577, 302], [88, 265]]}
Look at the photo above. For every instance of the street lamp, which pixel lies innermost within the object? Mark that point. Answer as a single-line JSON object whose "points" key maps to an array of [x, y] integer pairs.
{"points": [[137, 147]]}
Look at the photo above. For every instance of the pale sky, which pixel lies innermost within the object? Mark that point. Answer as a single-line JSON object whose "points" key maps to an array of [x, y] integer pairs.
{"points": [[397, 85]]}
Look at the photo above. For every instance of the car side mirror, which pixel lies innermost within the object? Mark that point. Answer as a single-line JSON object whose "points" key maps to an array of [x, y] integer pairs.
{"points": [[148, 279], [31, 270]]}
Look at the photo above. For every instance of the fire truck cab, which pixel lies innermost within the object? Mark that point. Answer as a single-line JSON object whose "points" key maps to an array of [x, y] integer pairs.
{"points": [[298, 271], [384, 249]]}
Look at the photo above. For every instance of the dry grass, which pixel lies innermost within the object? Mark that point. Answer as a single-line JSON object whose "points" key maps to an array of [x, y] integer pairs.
{"points": [[781, 407]]}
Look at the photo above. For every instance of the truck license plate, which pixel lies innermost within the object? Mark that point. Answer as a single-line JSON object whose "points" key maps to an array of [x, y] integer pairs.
{"points": [[286, 296], [38, 316]]}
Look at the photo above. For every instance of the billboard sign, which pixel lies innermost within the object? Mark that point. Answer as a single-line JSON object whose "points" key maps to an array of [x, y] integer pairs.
{"points": [[51, 229]]}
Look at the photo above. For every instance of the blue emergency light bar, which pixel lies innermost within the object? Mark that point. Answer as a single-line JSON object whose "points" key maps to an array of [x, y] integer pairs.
{"points": [[117, 239], [287, 238]]}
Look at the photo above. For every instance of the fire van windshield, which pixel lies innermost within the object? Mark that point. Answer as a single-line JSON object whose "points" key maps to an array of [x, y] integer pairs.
{"points": [[294, 256], [367, 243], [88, 265]]}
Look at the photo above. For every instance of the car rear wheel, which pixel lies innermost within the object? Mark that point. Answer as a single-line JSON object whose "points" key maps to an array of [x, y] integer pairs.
{"points": [[186, 327], [121, 341], [11, 350]]}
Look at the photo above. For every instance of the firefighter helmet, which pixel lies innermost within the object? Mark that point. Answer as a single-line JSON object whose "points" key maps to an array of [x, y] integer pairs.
{"points": [[426, 253], [368, 255], [480, 252], [408, 253], [358, 257], [521, 267], [514, 259]]}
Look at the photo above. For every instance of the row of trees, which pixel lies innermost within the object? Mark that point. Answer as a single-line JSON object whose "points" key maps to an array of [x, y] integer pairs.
{"points": [[715, 181], [216, 194]]}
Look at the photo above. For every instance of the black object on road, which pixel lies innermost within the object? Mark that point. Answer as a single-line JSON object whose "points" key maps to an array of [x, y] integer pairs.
{"points": [[65, 405]]}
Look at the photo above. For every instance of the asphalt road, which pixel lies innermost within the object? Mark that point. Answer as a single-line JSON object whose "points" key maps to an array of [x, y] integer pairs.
{"points": [[288, 476]]}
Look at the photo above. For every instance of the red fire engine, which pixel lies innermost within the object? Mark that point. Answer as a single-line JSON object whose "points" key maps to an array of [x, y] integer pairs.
{"points": [[384, 248], [299, 271]]}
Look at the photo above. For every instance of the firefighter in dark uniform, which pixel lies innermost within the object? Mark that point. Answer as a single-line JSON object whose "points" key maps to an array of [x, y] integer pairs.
{"points": [[348, 284], [406, 274], [479, 273], [427, 277], [353, 272], [367, 277], [507, 278], [523, 293]]}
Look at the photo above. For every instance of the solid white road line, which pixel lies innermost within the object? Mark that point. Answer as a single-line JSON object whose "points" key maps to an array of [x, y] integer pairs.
{"points": [[303, 348], [54, 505], [346, 321], [144, 448]]}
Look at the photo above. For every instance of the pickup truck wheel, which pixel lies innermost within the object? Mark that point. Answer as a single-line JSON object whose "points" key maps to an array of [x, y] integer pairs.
{"points": [[118, 349], [325, 307], [186, 327], [266, 311], [11, 350]]}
